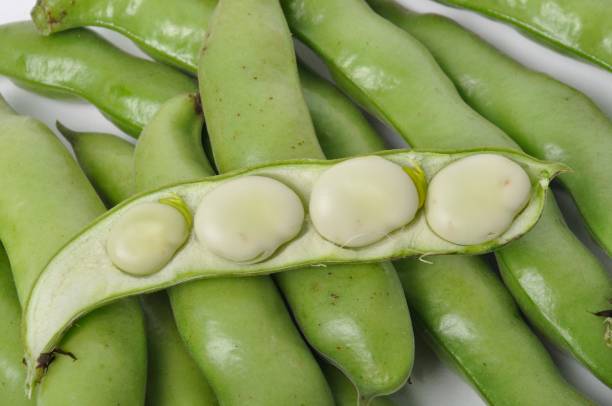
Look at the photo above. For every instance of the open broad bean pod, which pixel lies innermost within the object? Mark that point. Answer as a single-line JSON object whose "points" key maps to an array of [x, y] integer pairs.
{"points": [[105, 262]]}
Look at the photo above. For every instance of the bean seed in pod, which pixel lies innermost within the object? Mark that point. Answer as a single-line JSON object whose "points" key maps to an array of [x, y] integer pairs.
{"points": [[475, 199], [247, 219]]}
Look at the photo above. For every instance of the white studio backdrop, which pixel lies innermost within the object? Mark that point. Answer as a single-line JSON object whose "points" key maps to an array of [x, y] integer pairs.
{"points": [[432, 383]]}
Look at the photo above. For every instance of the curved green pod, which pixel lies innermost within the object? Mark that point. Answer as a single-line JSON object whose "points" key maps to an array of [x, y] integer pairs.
{"points": [[105, 160], [492, 349], [547, 118], [333, 113], [12, 371], [74, 270], [579, 27], [261, 116], [170, 34], [45, 199], [551, 121], [173, 377], [126, 89], [397, 79], [444, 292]]}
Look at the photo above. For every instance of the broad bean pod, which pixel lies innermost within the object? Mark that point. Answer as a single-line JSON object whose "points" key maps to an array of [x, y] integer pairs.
{"points": [[581, 28], [44, 200], [126, 89], [395, 77]]}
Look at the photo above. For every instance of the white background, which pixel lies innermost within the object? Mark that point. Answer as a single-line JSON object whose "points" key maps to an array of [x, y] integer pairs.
{"points": [[432, 382]]}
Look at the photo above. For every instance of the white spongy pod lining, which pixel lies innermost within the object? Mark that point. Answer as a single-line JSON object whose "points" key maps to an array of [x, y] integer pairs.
{"points": [[475, 199], [357, 202], [248, 218]]}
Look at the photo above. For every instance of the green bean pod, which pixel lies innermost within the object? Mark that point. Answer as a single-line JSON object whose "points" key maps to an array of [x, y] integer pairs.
{"points": [[557, 280], [45, 199], [579, 27], [173, 377], [547, 118], [355, 316], [126, 89], [106, 160], [446, 296], [333, 113], [12, 371]]}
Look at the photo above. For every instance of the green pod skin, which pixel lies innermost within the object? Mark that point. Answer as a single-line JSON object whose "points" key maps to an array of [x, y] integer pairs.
{"points": [[173, 377], [448, 294], [493, 349], [332, 113], [170, 34], [578, 27], [45, 200], [106, 160], [557, 298], [12, 371], [556, 280], [238, 330], [126, 89], [355, 316], [547, 118]]}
